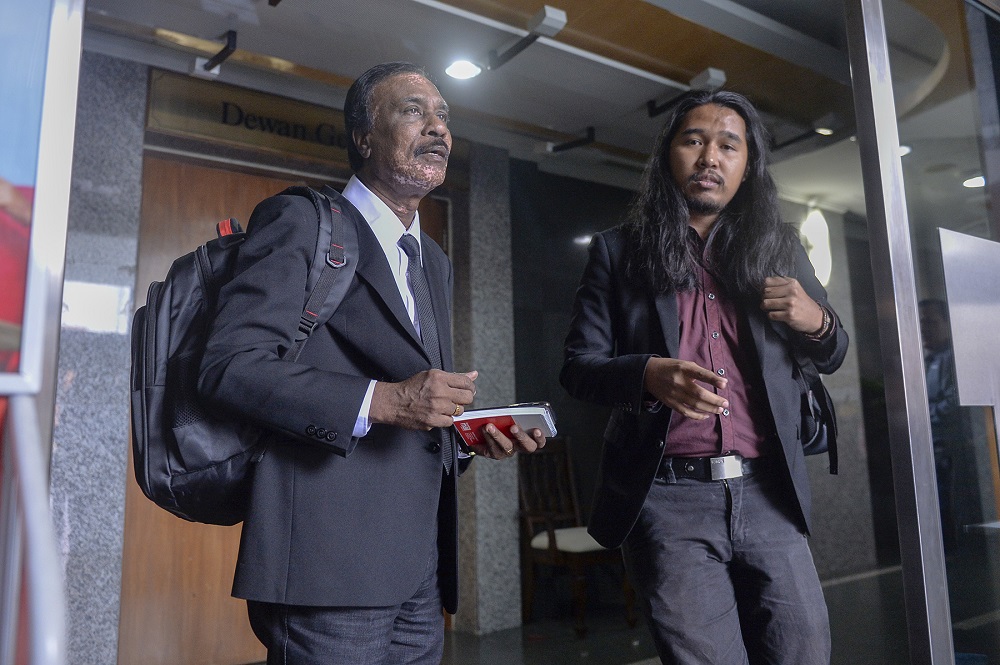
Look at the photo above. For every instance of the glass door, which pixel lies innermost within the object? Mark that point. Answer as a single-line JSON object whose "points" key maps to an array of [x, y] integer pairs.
{"points": [[925, 93]]}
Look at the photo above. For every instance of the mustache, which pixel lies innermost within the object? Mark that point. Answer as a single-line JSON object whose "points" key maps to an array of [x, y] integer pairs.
{"points": [[707, 175], [437, 145]]}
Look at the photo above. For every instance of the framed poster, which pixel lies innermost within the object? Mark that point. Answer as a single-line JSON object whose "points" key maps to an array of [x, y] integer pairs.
{"points": [[40, 49]]}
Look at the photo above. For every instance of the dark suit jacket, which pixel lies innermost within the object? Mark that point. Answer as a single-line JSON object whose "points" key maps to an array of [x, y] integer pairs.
{"points": [[616, 328], [333, 520]]}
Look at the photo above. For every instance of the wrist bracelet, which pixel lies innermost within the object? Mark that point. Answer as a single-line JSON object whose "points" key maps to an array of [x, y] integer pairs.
{"points": [[823, 329]]}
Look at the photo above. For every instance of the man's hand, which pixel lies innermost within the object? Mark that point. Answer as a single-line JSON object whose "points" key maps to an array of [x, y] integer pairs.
{"points": [[499, 446], [425, 400], [675, 383], [785, 300]]}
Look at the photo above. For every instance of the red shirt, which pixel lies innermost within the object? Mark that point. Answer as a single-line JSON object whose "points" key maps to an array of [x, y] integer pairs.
{"points": [[715, 335]]}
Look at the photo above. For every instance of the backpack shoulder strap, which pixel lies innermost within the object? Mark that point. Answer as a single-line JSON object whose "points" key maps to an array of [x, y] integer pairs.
{"points": [[335, 261]]}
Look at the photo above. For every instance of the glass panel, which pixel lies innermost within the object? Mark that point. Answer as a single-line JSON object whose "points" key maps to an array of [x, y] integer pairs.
{"points": [[937, 49], [24, 32]]}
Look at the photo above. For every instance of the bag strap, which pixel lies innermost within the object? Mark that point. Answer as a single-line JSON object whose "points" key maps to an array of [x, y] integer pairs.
{"points": [[337, 268], [808, 378]]}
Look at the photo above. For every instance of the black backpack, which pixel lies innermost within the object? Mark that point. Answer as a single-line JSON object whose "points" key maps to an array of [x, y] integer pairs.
{"points": [[196, 463]]}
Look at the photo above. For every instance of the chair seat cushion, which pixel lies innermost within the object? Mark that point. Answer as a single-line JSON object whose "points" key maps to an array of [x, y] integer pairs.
{"points": [[570, 539]]}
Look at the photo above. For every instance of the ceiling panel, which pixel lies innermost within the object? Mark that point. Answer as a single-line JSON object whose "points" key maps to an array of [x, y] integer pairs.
{"points": [[612, 57]]}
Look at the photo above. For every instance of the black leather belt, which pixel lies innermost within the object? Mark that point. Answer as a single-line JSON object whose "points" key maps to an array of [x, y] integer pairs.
{"points": [[711, 468]]}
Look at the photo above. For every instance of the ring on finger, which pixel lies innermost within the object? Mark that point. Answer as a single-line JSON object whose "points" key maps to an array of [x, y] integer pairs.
{"points": [[510, 452], [458, 411]]}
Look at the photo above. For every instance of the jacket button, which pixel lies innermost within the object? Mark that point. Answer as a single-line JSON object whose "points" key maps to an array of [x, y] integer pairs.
{"points": [[321, 432], [310, 430], [434, 447], [331, 436]]}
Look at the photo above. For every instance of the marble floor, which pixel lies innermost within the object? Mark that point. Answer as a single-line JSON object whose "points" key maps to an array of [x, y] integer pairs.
{"points": [[867, 621]]}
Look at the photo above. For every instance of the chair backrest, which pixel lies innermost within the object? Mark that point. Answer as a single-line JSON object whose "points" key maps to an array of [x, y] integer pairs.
{"points": [[547, 487]]}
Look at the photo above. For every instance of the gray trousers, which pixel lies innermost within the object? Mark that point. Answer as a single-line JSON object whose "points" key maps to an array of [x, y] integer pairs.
{"points": [[725, 576], [408, 634]]}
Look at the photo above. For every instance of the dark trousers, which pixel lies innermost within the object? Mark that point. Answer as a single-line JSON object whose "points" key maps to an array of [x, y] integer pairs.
{"points": [[725, 576], [411, 633]]}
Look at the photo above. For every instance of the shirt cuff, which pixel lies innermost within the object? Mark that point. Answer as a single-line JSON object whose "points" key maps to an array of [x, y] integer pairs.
{"points": [[363, 424]]}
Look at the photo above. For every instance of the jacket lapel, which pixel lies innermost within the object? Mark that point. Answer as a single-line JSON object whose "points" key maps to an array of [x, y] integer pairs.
{"points": [[770, 339], [666, 310], [373, 268]]}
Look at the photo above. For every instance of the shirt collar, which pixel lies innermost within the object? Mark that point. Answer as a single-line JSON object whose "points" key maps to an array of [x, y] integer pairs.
{"points": [[383, 221]]}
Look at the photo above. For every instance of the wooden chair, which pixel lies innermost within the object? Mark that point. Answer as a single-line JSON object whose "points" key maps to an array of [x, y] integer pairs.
{"points": [[553, 533]]}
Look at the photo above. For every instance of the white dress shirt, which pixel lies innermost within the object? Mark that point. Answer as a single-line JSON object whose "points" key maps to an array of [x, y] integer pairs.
{"points": [[388, 230]]}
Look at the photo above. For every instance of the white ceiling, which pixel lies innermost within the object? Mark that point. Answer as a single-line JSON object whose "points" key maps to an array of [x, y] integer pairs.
{"points": [[551, 89]]}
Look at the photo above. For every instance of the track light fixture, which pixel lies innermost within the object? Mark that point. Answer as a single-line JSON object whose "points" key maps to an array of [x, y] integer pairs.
{"points": [[546, 23], [709, 78], [209, 67]]}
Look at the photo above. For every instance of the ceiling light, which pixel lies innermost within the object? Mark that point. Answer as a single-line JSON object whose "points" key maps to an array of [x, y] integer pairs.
{"points": [[583, 240], [463, 69], [546, 23], [905, 150], [827, 125], [978, 181]]}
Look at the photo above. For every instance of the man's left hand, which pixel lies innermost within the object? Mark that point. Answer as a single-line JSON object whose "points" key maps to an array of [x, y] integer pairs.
{"points": [[785, 300], [499, 446]]}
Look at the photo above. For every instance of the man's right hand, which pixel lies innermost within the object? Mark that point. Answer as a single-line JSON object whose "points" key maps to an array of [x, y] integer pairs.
{"points": [[675, 384], [425, 400]]}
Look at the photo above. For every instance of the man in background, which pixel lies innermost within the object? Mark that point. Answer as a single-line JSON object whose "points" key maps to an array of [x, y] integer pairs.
{"points": [[950, 430]]}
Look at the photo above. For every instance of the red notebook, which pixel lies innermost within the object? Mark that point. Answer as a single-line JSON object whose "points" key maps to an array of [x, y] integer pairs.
{"points": [[527, 416]]}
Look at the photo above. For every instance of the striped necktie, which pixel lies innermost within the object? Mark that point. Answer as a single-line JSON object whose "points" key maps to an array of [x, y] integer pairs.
{"points": [[428, 325]]}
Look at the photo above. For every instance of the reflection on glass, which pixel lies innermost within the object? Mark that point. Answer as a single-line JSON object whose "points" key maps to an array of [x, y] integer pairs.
{"points": [[15, 222], [816, 238], [24, 27], [939, 104]]}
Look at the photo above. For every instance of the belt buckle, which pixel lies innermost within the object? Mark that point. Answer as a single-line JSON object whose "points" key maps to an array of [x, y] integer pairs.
{"points": [[723, 468]]}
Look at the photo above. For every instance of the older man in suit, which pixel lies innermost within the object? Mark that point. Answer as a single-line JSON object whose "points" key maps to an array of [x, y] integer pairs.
{"points": [[685, 322], [349, 548]]}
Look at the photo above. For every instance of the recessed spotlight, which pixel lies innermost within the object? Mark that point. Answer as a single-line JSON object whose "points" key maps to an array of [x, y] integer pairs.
{"points": [[978, 181], [583, 240], [463, 69], [824, 131], [905, 150]]}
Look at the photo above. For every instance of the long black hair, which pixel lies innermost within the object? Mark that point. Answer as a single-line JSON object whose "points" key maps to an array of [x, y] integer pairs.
{"points": [[749, 242], [358, 104]]}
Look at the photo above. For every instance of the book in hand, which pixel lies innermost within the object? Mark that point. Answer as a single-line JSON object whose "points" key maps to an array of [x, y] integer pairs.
{"points": [[529, 416]]}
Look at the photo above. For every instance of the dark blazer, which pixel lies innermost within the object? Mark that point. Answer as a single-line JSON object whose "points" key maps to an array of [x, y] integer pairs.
{"points": [[333, 520], [616, 328]]}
